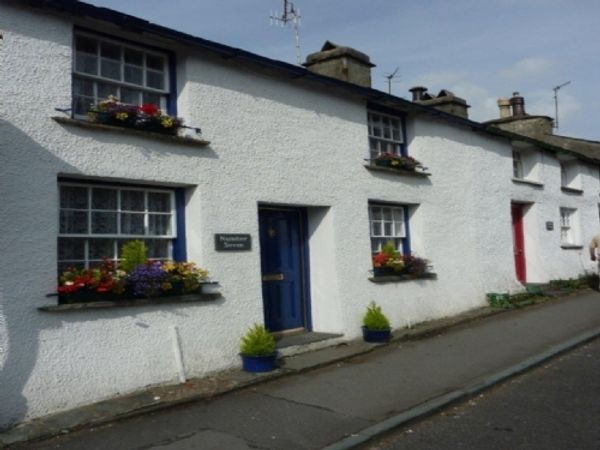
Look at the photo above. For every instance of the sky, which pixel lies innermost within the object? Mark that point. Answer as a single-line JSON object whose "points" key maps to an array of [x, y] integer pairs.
{"points": [[481, 50]]}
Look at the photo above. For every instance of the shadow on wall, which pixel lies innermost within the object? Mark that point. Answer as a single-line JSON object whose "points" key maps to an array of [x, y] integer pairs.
{"points": [[27, 180]]}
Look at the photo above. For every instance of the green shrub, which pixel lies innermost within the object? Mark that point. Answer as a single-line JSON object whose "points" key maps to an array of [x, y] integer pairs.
{"points": [[374, 319], [258, 341], [133, 254]]}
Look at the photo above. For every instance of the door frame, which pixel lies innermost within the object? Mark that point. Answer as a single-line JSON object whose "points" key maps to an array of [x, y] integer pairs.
{"points": [[304, 259], [521, 229]]}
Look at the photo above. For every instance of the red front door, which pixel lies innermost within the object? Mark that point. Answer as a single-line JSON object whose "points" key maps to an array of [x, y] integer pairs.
{"points": [[518, 241]]}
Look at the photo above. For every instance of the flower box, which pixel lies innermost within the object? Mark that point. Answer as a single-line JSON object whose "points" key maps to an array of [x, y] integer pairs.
{"points": [[147, 117], [388, 262], [397, 162]]}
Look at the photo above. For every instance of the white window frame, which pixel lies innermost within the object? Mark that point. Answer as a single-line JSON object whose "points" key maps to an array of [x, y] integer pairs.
{"points": [[98, 78], [118, 236], [570, 175], [517, 164], [395, 223], [391, 138], [568, 226]]}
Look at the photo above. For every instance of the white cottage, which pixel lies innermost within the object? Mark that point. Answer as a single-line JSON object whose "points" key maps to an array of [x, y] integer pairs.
{"points": [[279, 198]]}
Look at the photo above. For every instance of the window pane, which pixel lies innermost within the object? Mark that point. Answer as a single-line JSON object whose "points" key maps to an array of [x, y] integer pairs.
{"points": [[155, 62], [75, 197], [86, 63], [83, 87], [155, 80], [387, 229], [132, 223], [376, 228], [86, 44], [73, 222], [134, 75], [104, 223], [71, 248], [102, 248], [104, 199], [81, 105], [131, 96], [105, 90], [159, 202], [155, 99], [387, 214], [110, 69], [159, 224], [134, 57], [66, 265], [376, 213], [132, 201], [158, 248], [110, 51], [398, 214]]}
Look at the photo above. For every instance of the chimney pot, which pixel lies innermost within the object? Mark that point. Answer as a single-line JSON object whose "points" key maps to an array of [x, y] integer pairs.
{"points": [[518, 105], [417, 93], [504, 105]]}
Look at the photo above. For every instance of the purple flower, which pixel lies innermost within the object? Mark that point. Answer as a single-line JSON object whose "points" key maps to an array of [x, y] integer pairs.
{"points": [[146, 279]]}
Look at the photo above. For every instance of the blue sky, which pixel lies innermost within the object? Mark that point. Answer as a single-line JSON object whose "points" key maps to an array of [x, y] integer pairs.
{"points": [[479, 49]]}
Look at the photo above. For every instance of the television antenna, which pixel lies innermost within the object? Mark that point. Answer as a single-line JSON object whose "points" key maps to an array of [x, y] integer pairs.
{"points": [[390, 77], [556, 89], [289, 14]]}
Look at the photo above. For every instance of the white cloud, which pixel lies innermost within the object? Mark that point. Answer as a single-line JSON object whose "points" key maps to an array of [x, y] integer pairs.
{"points": [[527, 68], [542, 103]]}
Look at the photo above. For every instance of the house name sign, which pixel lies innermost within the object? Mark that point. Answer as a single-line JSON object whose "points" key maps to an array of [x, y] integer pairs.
{"points": [[232, 242]]}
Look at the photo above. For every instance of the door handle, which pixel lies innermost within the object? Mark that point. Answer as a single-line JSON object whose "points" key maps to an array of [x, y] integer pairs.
{"points": [[273, 277]]}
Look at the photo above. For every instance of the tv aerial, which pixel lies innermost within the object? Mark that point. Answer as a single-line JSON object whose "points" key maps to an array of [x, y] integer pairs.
{"points": [[390, 77], [556, 89], [289, 14]]}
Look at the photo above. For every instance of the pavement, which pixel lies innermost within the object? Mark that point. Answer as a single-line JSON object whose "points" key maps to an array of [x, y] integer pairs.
{"points": [[335, 398]]}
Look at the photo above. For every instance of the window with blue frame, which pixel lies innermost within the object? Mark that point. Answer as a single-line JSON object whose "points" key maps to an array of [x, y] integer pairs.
{"points": [[389, 223], [95, 220], [104, 67], [386, 134]]}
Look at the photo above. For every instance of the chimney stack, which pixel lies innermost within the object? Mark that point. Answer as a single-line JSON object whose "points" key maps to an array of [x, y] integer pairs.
{"points": [[518, 105], [445, 101], [343, 63]]}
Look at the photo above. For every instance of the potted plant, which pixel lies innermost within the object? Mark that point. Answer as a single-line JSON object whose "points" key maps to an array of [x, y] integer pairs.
{"points": [[376, 326], [257, 350], [399, 162], [389, 262]]}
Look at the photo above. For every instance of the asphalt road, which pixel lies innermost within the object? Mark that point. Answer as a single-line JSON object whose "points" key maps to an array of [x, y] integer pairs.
{"points": [[555, 406]]}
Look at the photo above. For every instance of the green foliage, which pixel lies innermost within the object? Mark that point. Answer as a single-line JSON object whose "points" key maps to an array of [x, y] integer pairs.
{"points": [[583, 282], [508, 301], [374, 319], [389, 249], [257, 342], [133, 254]]}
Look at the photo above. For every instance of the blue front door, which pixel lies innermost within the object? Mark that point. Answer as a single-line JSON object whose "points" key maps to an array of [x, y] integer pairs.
{"points": [[282, 254]]}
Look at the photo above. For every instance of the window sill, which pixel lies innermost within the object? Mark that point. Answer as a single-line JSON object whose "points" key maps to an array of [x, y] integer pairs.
{"points": [[400, 172], [536, 184], [193, 298], [571, 246], [571, 190], [402, 278], [182, 140]]}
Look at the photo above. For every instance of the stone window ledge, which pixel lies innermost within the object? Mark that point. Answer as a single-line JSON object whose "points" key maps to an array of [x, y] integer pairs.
{"points": [[191, 298], [571, 190], [399, 172], [536, 184], [181, 140], [402, 278], [571, 246]]}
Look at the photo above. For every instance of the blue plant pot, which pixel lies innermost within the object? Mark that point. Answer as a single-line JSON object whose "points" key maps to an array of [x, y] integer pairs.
{"points": [[376, 335], [258, 363]]}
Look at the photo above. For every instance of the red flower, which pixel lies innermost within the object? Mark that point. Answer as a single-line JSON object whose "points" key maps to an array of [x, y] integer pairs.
{"points": [[380, 259], [150, 109]]}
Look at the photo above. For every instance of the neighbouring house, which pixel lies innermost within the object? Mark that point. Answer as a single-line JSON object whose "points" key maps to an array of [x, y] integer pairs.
{"points": [[298, 178]]}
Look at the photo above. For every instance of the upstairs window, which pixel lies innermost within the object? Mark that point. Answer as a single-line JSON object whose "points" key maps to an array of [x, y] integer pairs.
{"points": [[570, 175], [96, 220], [104, 67], [386, 134], [389, 223], [517, 164], [526, 164]]}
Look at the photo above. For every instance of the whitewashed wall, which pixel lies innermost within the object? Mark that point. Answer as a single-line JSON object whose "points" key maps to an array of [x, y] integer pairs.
{"points": [[272, 141]]}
